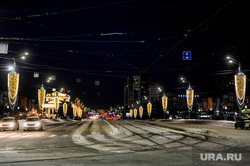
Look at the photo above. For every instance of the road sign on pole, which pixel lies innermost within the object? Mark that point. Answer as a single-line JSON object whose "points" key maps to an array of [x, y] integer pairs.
{"points": [[186, 55]]}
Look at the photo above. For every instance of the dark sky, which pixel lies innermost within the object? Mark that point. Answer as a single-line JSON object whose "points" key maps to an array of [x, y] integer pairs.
{"points": [[106, 41]]}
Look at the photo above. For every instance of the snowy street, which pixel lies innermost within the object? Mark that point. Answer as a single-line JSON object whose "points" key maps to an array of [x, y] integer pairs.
{"points": [[124, 142]]}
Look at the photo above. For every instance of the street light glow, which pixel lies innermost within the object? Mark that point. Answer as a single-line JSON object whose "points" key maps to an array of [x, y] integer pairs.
{"points": [[228, 57]]}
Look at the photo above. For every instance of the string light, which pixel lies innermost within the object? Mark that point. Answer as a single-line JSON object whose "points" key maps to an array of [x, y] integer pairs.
{"points": [[149, 108], [135, 113], [141, 111], [240, 89], [65, 107], [41, 97], [131, 113], [190, 98], [13, 84]]}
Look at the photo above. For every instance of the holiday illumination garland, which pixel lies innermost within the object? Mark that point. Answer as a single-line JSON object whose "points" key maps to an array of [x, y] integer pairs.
{"points": [[190, 97], [135, 113], [13, 84], [131, 113], [65, 107], [41, 97], [164, 102], [141, 111], [149, 108], [240, 89]]}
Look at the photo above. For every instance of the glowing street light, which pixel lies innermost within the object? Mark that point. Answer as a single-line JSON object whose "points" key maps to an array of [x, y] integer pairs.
{"points": [[240, 85], [190, 96]]}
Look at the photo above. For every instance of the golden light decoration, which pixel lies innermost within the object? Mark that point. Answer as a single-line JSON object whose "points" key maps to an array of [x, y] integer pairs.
{"points": [[56, 103], [149, 108], [131, 113], [141, 111], [65, 108], [41, 97], [79, 113], [164, 102], [74, 110], [240, 89], [13, 84], [190, 97], [135, 113]]}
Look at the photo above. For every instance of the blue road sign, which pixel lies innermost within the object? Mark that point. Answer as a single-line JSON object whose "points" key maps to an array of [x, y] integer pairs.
{"points": [[186, 55]]}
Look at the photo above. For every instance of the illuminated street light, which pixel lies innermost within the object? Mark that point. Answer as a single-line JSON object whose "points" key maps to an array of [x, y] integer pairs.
{"points": [[190, 96], [240, 85]]}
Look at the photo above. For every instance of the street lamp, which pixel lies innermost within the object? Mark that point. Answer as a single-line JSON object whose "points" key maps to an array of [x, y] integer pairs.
{"points": [[164, 103], [240, 85], [189, 95], [149, 109]]}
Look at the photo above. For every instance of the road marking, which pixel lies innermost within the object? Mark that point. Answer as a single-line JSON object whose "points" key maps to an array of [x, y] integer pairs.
{"points": [[65, 135], [52, 136], [14, 136]]}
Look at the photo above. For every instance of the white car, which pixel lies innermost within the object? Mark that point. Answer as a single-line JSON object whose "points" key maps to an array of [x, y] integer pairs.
{"points": [[9, 123], [33, 123]]}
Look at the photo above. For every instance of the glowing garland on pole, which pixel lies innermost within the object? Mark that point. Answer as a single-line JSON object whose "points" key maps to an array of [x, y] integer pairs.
{"points": [[13, 84], [74, 111], [135, 113], [131, 113], [190, 98], [41, 98], [240, 89], [149, 108], [141, 111], [56, 103], [164, 104], [65, 108]]}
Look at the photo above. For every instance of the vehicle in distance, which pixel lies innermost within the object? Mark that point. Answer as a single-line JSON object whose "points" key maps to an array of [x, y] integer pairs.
{"points": [[9, 123], [33, 123]]}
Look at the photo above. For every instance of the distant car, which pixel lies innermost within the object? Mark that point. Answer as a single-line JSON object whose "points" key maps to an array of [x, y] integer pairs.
{"points": [[33, 123], [9, 123]]}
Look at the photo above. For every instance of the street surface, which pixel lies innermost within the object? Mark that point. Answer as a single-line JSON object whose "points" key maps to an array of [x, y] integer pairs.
{"points": [[124, 142]]}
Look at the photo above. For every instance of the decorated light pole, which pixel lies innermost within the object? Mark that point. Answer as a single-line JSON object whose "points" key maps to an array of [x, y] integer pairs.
{"points": [[131, 113], [190, 99], [164, 104], [65, 108], [240, 85], [41, 98], [149, 109], [13, 84], [135, 113], [141, 111], [13, 81], [189, 96]]}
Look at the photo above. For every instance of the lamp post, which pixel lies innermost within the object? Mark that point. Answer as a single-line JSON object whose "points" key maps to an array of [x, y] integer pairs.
{"points": [[13, 81], [149, 109], [164, 104], [240, 84], [189, 95], [41, 98]]}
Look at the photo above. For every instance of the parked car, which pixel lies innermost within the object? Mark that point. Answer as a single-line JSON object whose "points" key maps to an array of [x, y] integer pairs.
{"points": [[33, 123], [9, 123]]}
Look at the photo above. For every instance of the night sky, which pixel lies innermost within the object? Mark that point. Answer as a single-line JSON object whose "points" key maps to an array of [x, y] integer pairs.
{"points": [[107, 41]]}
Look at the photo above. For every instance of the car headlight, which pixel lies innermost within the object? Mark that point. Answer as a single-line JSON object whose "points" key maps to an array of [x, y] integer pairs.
{"points": [[25, 124], [11, 124], [37, 124], [1, 125]]}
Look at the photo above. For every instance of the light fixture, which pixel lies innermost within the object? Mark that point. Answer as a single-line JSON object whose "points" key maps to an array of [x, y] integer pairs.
{"points": [[141, 111], [149, 109], [135, 113], [41, 97], [65, 107], [164, 103], [13, 84]]}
